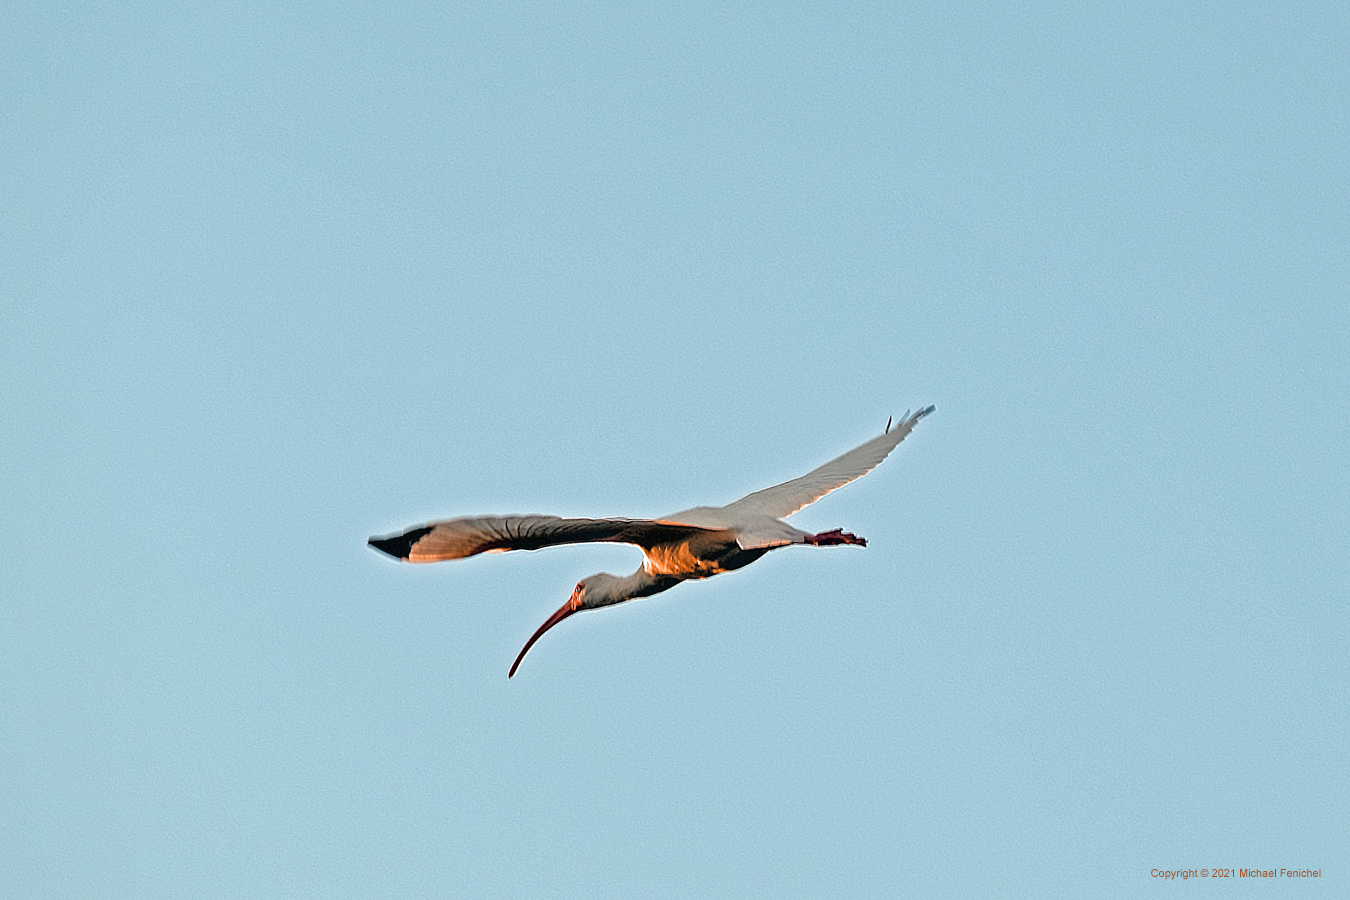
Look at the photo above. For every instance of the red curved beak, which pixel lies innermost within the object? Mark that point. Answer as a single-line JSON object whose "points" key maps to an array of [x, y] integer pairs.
{"points": [[571, 606]]}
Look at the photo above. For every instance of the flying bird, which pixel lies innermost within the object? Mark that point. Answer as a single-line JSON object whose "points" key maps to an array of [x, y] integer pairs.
{"points": [[696, 543]]}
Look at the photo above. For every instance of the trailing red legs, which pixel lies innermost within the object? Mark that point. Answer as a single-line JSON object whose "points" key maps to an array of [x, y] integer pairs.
{"points": [[836, 536]]}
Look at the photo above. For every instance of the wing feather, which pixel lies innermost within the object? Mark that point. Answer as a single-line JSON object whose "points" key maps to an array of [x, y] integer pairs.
{"points": [[782, 500], [460, 538]]}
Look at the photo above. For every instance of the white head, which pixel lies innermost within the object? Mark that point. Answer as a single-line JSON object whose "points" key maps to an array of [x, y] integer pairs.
{"points": [[601, 589], [591, 592]]}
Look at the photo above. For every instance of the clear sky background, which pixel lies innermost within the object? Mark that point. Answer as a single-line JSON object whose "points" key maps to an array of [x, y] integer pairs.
{"points": [[278, 277]]}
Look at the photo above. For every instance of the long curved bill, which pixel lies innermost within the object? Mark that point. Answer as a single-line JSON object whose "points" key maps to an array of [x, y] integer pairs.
{"points": [[566, 610]]}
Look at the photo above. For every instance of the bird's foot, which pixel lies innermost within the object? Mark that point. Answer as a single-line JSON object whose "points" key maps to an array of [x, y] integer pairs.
{"points": [[832, 538]]}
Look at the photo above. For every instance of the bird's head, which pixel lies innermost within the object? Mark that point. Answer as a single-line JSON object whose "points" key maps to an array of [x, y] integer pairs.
{"points": [[591, 592], [600, 589]]}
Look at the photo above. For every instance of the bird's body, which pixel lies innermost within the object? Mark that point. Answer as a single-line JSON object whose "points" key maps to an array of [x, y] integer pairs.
{"points": [[691, 544]]}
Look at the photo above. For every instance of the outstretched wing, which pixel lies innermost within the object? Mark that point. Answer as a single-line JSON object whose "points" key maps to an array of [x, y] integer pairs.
{"points": [[458, 538], [784, 499]]}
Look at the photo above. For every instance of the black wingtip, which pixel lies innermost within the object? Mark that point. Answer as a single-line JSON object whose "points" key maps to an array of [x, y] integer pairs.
{"points": [[400, 545], [908, 420]]}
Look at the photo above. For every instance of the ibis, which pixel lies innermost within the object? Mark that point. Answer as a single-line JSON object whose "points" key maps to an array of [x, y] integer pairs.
{"points": [[693, 544]]}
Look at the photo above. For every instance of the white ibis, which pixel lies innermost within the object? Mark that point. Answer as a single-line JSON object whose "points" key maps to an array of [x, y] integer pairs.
{"points": [[696, 543]]}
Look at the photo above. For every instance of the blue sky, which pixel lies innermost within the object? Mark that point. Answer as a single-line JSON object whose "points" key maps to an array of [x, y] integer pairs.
{"points": [[275, 278]]}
